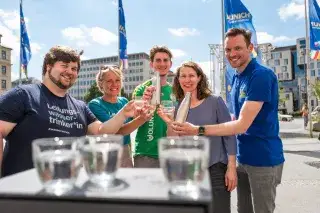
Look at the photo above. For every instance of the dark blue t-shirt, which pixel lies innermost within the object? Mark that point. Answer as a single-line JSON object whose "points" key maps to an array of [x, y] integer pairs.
{"points": [[38, 113], [260, 145]]}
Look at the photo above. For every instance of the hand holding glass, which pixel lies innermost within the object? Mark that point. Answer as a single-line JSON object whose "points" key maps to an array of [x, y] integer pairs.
{"points": [[167, 107]]}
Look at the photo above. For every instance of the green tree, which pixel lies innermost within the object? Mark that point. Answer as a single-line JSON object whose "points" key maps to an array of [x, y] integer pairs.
{"points": [[92, 93], [282, 99], [316, 89]]}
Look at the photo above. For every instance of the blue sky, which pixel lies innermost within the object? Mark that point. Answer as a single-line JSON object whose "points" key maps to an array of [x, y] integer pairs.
{"points": [[185, 26]]}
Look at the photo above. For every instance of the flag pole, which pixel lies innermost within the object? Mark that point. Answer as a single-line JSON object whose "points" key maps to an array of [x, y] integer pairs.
{"points": [[307, 70], [222, 69], [20, 79], [119, 33]]}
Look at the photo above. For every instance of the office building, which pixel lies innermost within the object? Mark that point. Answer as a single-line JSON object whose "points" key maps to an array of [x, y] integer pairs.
{"points": [[5, 66]]}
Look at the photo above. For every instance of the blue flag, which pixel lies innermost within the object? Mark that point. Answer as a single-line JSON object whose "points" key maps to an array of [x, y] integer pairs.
{"points": [[314, 26], [25, 51], [237, 16], [122, 37]]}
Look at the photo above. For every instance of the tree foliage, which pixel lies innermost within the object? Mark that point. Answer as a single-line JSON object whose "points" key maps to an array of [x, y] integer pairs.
{"points": [[92, 93]]}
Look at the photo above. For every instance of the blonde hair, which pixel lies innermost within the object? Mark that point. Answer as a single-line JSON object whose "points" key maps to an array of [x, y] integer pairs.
{"points": [[103, 70]]}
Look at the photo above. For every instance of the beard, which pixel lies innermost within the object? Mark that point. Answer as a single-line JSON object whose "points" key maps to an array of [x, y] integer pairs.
{"points": [[58, 82]]}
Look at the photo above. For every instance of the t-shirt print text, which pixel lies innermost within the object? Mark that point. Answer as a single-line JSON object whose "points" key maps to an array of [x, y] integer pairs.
{"points": [[66, 118]]}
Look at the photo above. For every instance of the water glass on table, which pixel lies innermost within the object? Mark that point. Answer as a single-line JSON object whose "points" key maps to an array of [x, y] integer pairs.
{"points": [[101, 155], [57, 161], [184, 161]]}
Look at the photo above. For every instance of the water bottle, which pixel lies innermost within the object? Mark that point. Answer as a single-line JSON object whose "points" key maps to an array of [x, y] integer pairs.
{"points": [[156, 96], [184, 108]]}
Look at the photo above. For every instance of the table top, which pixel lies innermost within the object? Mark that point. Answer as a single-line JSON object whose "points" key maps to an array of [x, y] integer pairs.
{"points": [[132, 183]]}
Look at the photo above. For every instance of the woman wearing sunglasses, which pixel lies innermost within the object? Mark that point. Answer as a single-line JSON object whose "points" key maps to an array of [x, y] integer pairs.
{"points": [[109, 82]]}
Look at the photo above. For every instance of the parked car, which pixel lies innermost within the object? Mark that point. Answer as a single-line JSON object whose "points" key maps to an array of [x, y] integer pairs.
{"points": [[283, 117]]}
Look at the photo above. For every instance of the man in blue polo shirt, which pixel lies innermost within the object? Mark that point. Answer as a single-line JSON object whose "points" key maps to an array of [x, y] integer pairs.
{"points": [[255, 103]]}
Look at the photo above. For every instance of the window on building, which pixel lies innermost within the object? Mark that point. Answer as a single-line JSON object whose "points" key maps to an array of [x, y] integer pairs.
{"points": [[286, 75], [302, 60], [280, 76], [3, 70], [3, 84], [277, 62], [284, 68], [4, 54], [141, 78], [130, 79], [313, 73], [311, 65], [286, 61], [141, 63], [312, 103], [303, 42]]}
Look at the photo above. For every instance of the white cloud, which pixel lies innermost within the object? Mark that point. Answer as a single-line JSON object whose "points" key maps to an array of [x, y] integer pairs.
{"points": [[85, 36], [294, 9], [114, 2], [9, 29], [102, 36], [181, 32], [35, 47], [73, 33], [264, 37], [178, 53]]}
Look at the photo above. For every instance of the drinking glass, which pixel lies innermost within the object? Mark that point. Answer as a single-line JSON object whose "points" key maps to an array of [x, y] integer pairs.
{"points": [[101, 155], [184, 161], [138, 102], [167, 107], [57, 161]]}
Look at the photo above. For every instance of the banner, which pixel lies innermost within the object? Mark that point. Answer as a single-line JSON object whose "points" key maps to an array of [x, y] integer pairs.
{"points": [[25, 51], [314, 26], [236, 15], [122, 37]]}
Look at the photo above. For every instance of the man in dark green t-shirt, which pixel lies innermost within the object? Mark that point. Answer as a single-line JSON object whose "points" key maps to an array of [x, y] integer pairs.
{"points": [[145, 150]]}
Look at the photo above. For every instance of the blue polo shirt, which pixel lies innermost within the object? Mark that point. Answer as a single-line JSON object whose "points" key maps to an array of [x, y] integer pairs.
{"points": [[260, 145]]}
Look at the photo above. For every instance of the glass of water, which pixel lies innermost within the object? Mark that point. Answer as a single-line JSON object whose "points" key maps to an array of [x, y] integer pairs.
{"points": [[184, 161], [167, 107], [138, 102], [57, 161], [101, 155]]}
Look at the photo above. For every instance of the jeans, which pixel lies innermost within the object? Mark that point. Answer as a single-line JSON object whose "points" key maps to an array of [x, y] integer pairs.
{"points": [[220, 194], [257, 188]]}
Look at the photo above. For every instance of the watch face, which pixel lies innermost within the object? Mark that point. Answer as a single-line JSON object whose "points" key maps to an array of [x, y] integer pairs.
{"points": [[201, 130]]}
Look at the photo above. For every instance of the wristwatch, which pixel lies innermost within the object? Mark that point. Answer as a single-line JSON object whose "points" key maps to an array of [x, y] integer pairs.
{"points": [[201, 130]]}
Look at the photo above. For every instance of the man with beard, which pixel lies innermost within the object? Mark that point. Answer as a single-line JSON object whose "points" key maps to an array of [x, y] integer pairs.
{"points": [[146, 142], [46, 110]]}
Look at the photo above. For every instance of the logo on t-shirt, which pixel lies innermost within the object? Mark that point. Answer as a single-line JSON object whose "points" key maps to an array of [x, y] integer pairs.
{"points": [[242, 93]]}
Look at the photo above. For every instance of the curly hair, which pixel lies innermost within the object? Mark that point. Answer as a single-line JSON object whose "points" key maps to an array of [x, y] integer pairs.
{"points": [[203, 90], [60, 53]]}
